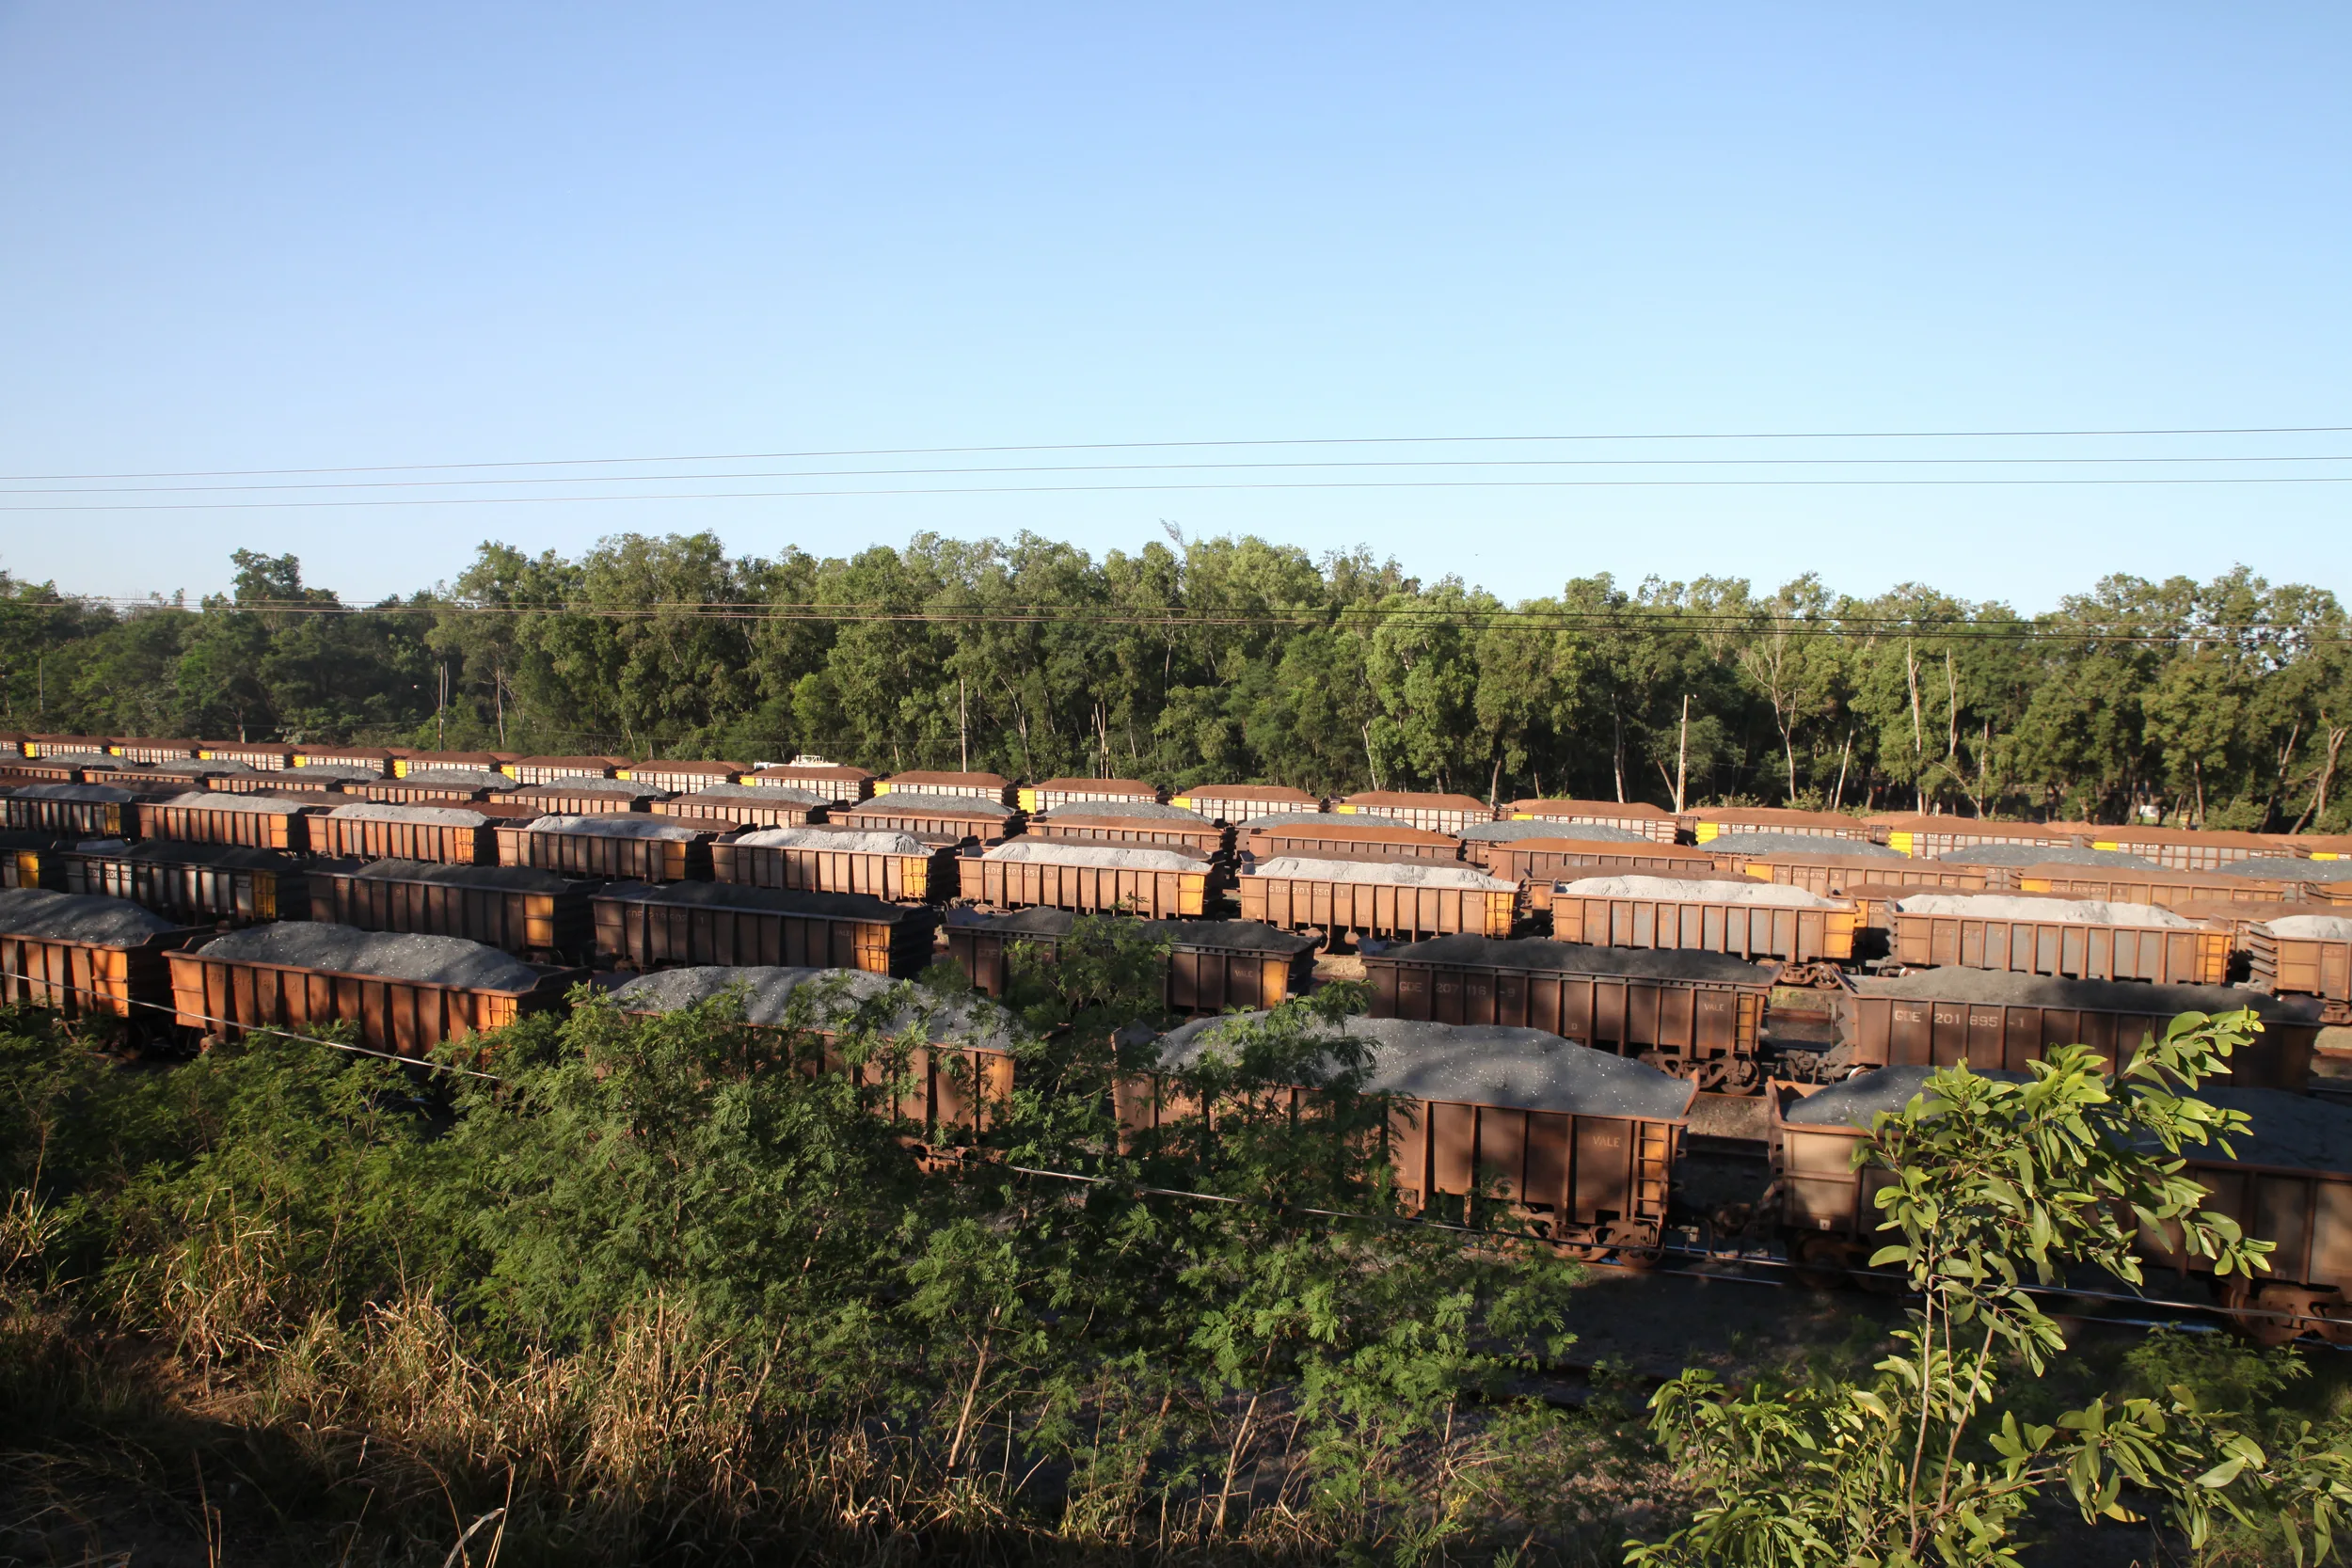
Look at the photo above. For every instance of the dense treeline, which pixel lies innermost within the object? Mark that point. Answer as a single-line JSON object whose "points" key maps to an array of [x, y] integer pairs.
{"points": [[2224, 704]]}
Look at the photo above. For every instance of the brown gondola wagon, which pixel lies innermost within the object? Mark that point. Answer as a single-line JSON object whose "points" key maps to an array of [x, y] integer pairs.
{"points": [[895, 866], [86, 957], [1213, 965], [529, 913], [646, 926]]}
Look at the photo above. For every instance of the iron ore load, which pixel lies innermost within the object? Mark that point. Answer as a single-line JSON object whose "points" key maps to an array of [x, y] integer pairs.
{"points": [[84, 955], [644, 926], [1405, 900], [748, 805], [1939, 1018], [1580, 1145], [193, 884], [2308, 954], [451, 835], [2059, 937], [1212, 964], [1139, 823], [1810, 934], [529, 913], [1088, 879], [1697, 1015], [405, 995], [887, 865], [626, 847]]}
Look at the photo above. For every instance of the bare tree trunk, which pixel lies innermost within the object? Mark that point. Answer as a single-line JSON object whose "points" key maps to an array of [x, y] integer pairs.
{"points": [[1951, 711], [1682, 756], [964, 725], [1372, 765], [2197, 774], [1845, 756], [2318, 808], [1494, 786], [1918, 739], [1616, 726], [498, 694]]}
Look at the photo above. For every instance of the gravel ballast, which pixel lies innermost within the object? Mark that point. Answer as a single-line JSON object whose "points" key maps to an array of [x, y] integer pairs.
{"points": [[441, 816], [1113, 857], [2069, 911], [97, 794], [1538, 954], [1290, 820], [1393, 873], [916, 802], [1857, 1101], [2275, 869], [252, 805], [839, 993], [2312, 927], [31, 911], [1799, 844], [504, 878], [1236, 936], [878, 842], [1511, 832], [459, 778], [1480, 1065], [173, 852], [587, 786], [2292, 1130], [766, 900], [765, 795], [2000, 988], [347, 950], [619, 824], [1122, 811], [336, 773], [2035, 854], [1680, 890]]}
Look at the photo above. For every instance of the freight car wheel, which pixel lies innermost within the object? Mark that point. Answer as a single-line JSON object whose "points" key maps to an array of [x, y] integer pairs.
{"points": [[2257, 1314], [1823, 1263]]}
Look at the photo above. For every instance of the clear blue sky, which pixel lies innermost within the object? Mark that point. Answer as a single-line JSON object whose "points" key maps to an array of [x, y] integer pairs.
{"points": [[264, 236]]}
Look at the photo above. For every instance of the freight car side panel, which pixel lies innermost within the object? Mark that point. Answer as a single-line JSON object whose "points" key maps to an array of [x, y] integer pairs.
{"points": [[193, 893], [407, 1018], [1909, 1032], [915, 878]]}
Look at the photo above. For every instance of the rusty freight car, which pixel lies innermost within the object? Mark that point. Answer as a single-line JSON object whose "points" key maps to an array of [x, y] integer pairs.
{"points": [[1539, 864], [1932, 837], [993, 787], [897, 867], [2316, 881], [256, 821], [1941, 1017], [1632, 816], [1436, 814], [623, 846], [433, 786], [406, 994], [2184, 849], [1810, 935], [2163, 888], [1579, 1143], [72, 810], [1403, 899], [2058, 937], [1212, 964], [1053, 794], [364, 761], [680, 778], [1238, 803], [747, 806], [1833, 867], [2308, 954], [1480, 838], [520, 909], [951, 1085], [955, 819], [644, 926], [1089, 878], [1695, 1014], [192, 884], [32, 860], [262, 757], [2287, 1180], [449, 835], [1713, 822], [583, 796], [1329, 836], [1136, 822], [86, 957], [836, 784], [540, 771]]}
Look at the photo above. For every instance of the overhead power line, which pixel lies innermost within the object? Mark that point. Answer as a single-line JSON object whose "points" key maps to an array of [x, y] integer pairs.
{"points": [[1102, 489], [1193, 445], [1199, 468]]}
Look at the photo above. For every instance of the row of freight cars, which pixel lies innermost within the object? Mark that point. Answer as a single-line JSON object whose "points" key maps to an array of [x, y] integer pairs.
{"points": [[775, 895]]}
